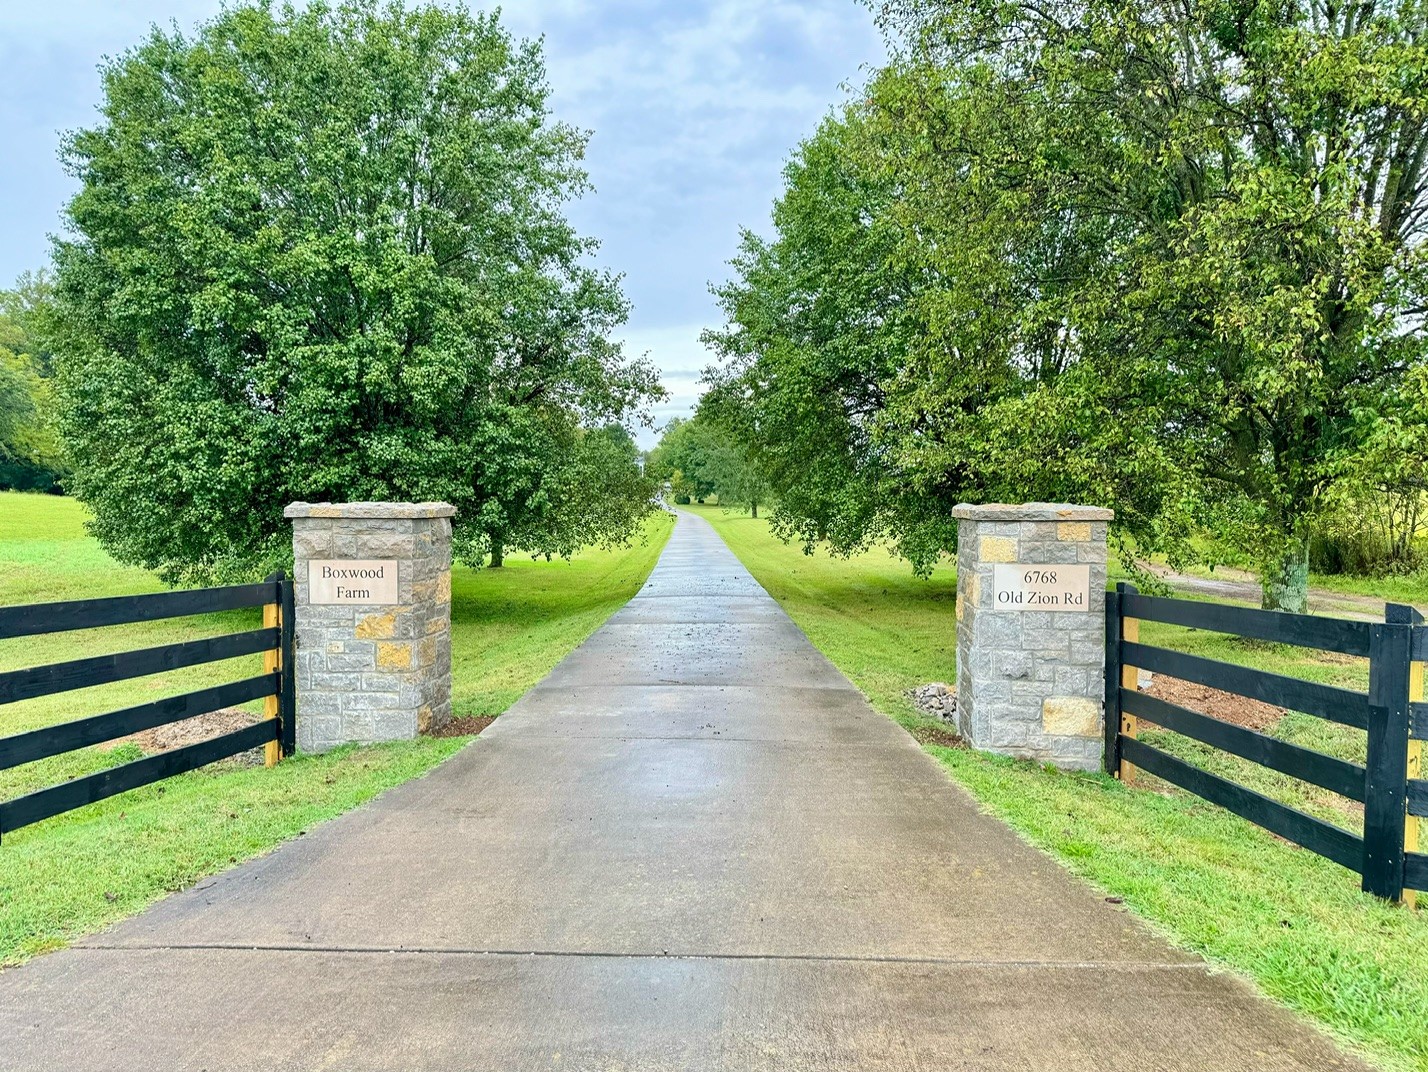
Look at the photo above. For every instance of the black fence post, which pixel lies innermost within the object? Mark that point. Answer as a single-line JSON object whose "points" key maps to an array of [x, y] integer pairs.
{"points": [[287, 697], [1113, 683], [1386, 769]]}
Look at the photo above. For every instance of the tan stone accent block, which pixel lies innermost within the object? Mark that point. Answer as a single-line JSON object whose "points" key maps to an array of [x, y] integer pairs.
{"points": [[1071, 716], [1073, 530], [325, 511], [974, 590], [959, 606], [443, 587], [336, 648], [997, 549], [376, 626], [424, 719], [393, 655], [426, 652]]}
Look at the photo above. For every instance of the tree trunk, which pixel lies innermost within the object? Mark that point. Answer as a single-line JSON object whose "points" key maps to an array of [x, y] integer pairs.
{"points": [[1286, 582], [498, 553], [755, 507]]}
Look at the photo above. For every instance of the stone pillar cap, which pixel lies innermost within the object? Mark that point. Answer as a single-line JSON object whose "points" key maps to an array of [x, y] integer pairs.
{"points": [[1037, 511], [371, 510]]}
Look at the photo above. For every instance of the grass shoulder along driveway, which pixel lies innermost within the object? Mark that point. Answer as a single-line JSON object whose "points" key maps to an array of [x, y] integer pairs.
{"points": [[1292, 922], [80, 871]]}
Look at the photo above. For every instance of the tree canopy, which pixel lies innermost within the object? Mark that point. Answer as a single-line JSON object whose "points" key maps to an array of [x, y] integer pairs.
{"points": [[320, 253], [1162, 257]]}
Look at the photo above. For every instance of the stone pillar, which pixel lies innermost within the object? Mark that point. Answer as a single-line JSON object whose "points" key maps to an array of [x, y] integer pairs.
{"points": [[372, 618], [1031, 600]]}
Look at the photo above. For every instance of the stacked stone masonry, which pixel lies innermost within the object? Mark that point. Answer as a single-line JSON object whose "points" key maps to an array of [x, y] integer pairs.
{"points": [[1031, 683], [368, 673]]}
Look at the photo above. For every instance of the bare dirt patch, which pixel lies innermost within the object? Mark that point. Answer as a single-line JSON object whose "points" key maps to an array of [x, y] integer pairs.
{"points": [[463, 727], [1226, 706], [938, 736], [193, 730]]}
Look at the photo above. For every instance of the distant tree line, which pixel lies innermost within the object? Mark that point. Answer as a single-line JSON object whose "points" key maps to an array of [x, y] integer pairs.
{"points": [[1166, 258], [700, 457], [30, 455]]}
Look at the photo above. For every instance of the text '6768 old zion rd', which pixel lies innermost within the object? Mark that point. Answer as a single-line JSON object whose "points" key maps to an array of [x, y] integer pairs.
{"points": [[1018, 586]]}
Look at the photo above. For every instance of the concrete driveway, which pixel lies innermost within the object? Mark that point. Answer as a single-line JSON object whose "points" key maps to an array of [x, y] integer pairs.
{"points": [[693, 846]]}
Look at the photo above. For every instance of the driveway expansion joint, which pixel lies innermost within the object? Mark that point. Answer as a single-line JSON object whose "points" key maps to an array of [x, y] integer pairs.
{"points": [[1198, 967]]}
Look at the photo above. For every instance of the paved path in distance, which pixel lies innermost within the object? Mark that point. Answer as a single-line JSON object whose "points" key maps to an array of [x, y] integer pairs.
{"points": [[692, 847]]}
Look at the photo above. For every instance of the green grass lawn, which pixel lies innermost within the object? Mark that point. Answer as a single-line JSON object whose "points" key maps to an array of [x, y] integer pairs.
{"points": [[1293, 922], [1409, 588], [82, 870]]}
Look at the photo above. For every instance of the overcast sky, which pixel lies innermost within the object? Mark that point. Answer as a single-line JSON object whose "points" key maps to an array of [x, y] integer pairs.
{"points": [[694, 108]]}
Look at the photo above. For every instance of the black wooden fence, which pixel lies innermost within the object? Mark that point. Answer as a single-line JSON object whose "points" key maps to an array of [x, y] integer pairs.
{"points": [[275, 731], [1389, 784]]}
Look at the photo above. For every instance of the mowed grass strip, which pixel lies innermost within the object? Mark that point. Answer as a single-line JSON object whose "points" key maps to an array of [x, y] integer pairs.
{"points": [[1294, 923], [80, 871]]}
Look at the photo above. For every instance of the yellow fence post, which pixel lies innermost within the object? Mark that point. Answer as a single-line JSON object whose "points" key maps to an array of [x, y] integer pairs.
{"points": [[1415, 770], [1130, 679], [272, 662]]}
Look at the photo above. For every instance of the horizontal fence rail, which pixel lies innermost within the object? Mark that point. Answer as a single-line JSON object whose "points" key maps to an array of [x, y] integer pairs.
{"points": [[67, 736], [40, 618], [1415, 871], [1393, 713], [1302, 630], [1418, 798], [1326, 701], [106, 669], [275, 731], [1328, 772]]}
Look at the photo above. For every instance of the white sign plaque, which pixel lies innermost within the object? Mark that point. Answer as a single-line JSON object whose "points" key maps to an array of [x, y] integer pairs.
{"points": [[368, 581], [1016, 586]]}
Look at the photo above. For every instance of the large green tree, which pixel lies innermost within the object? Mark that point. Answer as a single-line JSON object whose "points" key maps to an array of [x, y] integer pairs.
{"points": [[817, 325], [15, 406], [891, 351], [1162, 256], [319, 253]]}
